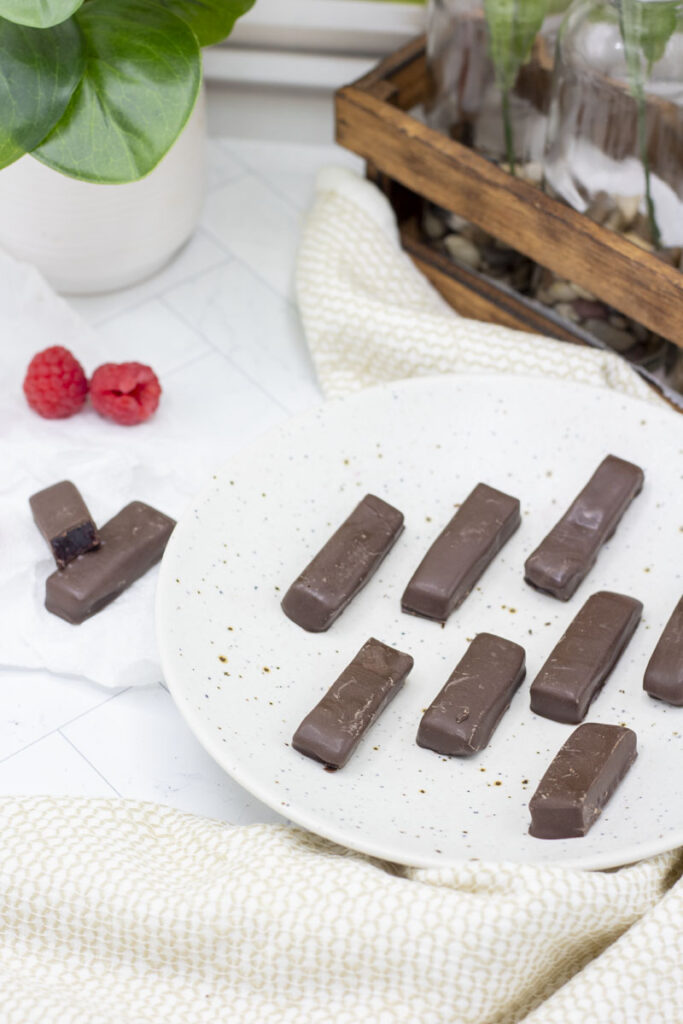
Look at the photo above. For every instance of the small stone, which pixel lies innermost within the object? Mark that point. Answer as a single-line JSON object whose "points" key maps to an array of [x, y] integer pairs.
{"points": [[463, 251], [473, 233], [589, 309], [677, 374], [641, 226], [628, 207], [671, 256], [600, 207], [620, 341], [617, 320], [455, 222], [500, 259], [433, 225], [583, 293], [531, 172], [567, 310], [631, 236], [561, 291], [615, 221]]}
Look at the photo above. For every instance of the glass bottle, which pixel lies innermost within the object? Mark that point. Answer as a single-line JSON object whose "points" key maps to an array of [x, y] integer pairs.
{"points": [[615, 132], [490, 63]]}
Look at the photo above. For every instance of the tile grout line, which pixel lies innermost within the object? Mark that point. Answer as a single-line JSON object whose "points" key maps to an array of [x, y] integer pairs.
{"points": [[283, 298], [157, 296], [88, 762], [64, 725], [221, 352]]}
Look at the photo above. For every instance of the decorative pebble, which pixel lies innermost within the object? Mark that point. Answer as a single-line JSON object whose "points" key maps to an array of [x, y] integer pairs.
{"points": [[617, 339], [462, 250]]}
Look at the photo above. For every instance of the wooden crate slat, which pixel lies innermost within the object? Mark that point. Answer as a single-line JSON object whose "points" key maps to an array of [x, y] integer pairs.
{"points": [[632, 280]]}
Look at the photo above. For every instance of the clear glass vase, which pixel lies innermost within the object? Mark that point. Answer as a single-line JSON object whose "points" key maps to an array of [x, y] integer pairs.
{"points": [[615, 132], [490, 63]]}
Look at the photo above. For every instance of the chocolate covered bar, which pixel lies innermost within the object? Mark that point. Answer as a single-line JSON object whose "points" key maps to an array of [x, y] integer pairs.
{"points": [[580, 780], [584, 657], [568, 553], [664, 672], [344, 565], [131, 543], [62, 517], [333, 729], [465, 714], [460, 554]]}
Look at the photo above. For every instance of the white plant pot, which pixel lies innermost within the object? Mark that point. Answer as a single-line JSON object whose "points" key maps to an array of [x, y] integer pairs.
{"points": [[88, 238]]}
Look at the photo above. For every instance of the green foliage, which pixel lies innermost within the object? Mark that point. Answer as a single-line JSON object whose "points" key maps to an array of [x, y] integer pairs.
{"points": [[513, 25], [39, 72], [38, 13], [210, 20], [101, 89]]}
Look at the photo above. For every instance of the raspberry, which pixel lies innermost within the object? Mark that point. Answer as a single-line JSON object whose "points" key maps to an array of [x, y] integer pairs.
{"points": [[127, 393], [55, 384]]}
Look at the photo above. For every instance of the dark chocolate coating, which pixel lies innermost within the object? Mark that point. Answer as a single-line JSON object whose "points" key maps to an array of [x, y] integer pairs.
{"points": [[131, 543], [62, 517], [664, 672], [460, 554], [344, 565], [580, 780], [566, 556], [333, 729], [584, 657], [465, 714]]}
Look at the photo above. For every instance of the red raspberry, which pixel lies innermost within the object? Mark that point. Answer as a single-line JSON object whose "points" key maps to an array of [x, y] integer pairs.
{"points": [[127, 393], [55, 384]]}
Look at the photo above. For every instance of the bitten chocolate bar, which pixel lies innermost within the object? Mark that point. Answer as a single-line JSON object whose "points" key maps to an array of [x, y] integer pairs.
{"points": [[62, 517], [584, 657], [344, 565], [664, 673], [580, 780], [131, 543], [333, 729], [482, 525], [465, 714], [568, 553]]}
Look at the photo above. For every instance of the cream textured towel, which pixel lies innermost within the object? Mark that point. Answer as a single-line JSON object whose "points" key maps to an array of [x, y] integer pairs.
{"points": [[121, 913], [369, 316]]}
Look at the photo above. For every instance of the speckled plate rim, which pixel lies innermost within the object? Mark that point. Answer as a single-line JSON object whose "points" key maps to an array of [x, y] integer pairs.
{"points": [[298, 815]]}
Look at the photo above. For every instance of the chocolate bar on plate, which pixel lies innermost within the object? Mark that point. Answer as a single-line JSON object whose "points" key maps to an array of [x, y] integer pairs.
{"points": [[465, 714], [482, 525], [664, 673], [62, 517], [131, 543], [580, 780], [584, 657], [344, 565], [333, 729], [568, 553]]}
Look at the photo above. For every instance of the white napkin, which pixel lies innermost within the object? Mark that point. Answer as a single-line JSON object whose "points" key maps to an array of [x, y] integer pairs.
{"points": [[111, 465]]}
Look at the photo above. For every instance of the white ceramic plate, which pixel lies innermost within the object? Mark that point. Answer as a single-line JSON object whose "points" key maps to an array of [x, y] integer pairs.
{"points": [[244, 676]]}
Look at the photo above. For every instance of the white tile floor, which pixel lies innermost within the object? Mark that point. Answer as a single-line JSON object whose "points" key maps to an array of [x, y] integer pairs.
{"points": [[222, 315]]}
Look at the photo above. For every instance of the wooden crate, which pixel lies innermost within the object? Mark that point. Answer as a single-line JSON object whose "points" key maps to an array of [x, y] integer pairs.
{"points": [[411, 161]]}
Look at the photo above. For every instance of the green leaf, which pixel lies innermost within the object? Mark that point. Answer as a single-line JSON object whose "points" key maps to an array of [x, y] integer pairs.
{"points": [[141, 78], [513, 25], [648, 27], [39, 71], [38, 13], [210, 20]]}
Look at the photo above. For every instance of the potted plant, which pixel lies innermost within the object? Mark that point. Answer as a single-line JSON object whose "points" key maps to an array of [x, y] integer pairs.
{"points": [[102, 132]]}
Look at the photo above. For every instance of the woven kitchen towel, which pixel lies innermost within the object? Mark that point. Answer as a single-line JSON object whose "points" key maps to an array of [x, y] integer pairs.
{"points": [[124, 913], [369, 316]]}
